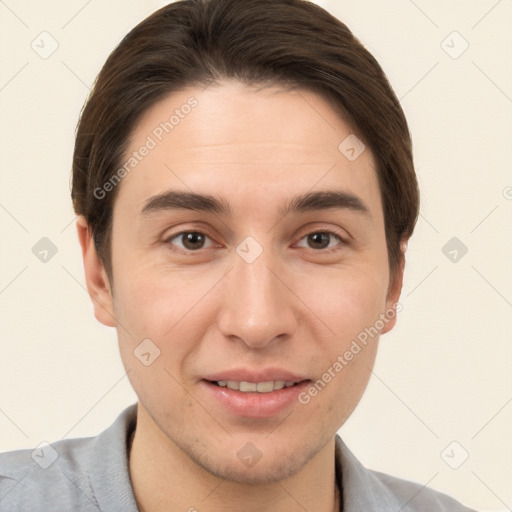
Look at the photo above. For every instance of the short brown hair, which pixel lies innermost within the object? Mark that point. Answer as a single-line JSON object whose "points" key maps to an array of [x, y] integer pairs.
{"points": [[292, 43]]}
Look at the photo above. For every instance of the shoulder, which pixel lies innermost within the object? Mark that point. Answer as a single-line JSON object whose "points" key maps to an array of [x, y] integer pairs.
{"points": [[375, 491], [87, 474], [417, 497], [55, 474]]}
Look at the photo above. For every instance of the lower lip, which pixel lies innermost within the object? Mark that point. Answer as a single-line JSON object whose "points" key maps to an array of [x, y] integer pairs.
{"points": [[253, 404]]}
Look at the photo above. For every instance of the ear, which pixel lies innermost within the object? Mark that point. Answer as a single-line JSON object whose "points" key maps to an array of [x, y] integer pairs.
{"points": [[395, 289], [96, 277]]}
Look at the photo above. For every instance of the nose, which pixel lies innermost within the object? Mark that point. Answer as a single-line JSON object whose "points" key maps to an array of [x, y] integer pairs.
{"points": [[258, 308]]}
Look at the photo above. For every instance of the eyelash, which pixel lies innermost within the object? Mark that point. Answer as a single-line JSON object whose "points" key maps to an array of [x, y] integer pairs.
{"points": [[322, 231]]}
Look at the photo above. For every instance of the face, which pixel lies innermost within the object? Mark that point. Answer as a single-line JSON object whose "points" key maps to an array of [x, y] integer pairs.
{"points": [[268, 281]]}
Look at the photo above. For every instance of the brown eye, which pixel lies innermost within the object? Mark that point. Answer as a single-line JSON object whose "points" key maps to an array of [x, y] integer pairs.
{"points": [[320, 240], [190, 240]]}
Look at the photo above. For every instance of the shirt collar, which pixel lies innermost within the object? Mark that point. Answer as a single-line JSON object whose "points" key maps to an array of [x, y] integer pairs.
{"points": [[109, 472], [360, 488], [110, 475]]}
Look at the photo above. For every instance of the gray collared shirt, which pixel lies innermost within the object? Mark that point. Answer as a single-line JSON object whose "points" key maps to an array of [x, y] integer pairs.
{"points": [[91, 475]]}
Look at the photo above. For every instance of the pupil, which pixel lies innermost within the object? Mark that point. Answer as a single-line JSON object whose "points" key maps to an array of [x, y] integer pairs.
{"points": [[316, 238], [193, 238]]}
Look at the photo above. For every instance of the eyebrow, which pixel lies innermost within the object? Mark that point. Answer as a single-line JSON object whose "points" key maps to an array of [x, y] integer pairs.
{"points": [[310, 201]]}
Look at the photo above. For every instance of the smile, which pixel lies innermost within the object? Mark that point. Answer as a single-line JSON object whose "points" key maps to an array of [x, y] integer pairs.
{"points": [[255, 387]]}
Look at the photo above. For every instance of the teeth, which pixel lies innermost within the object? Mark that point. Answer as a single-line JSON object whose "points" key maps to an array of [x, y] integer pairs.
{"points": [[249, 386], [279, 384], [259, 387], [265, 387]]}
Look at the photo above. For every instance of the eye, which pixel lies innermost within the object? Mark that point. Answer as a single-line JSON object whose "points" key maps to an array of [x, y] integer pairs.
{"points": [[190, 240], [194, 241], [320, 240]]}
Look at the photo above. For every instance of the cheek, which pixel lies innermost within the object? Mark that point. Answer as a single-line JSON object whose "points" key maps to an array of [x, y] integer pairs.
{"points": [[159, 334], [170, 308], [345, 300], [157, 304], [150, 297]]}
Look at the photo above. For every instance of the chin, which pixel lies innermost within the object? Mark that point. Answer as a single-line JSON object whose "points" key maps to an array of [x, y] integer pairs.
{"points": [[263, 472], [250, 466]]}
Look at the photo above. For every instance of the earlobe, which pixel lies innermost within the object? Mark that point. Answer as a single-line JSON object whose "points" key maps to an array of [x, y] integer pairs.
{"points": [[395, 289], [96, 278]]}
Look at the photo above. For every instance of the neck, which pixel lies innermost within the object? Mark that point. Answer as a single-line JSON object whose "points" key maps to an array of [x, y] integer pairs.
{"points": [[164, 478]]}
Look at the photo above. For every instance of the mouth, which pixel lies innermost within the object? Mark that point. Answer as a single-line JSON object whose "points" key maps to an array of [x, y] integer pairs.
{"points": [[256, 398], [255, 387]]}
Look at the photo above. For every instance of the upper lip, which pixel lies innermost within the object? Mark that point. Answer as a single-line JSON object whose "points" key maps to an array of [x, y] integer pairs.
{"points": [[263, 375]]}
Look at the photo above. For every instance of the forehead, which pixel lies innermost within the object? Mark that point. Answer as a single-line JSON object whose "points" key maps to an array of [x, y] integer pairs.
{"points": [[244, 143]]}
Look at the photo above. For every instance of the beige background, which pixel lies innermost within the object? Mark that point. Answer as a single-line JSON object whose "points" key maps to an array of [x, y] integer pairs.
{"points": [[444, 373]]}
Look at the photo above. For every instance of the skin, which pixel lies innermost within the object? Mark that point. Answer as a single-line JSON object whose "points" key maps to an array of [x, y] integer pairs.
{"points": [[294, 307]]}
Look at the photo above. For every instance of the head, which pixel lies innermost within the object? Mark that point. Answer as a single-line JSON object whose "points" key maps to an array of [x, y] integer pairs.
{"points": [[245, 187]]}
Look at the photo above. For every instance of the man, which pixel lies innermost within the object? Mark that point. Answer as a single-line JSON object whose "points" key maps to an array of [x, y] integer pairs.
{"points": [[245, 188]]}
